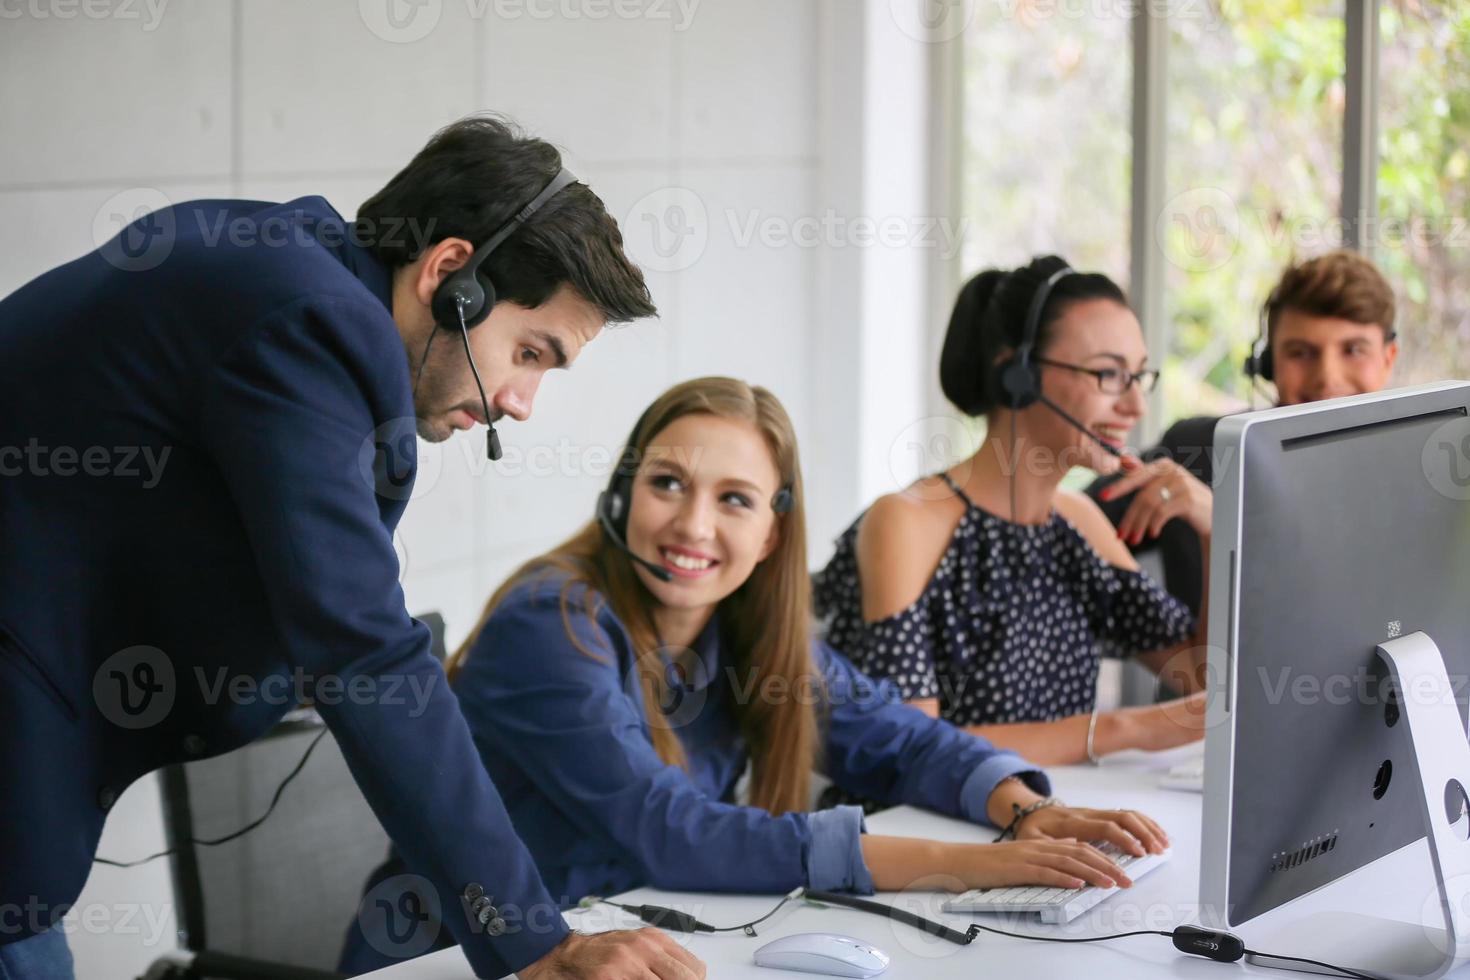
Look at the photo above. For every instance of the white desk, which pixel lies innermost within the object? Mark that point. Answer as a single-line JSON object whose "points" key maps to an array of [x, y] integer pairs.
{"points": [[1167, 897]]}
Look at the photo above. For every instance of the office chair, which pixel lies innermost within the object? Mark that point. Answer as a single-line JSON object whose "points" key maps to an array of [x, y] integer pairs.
{"points": [[274, 904]]}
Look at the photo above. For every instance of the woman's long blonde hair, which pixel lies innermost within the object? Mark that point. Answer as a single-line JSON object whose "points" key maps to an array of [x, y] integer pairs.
{"points": [[765, 624]]}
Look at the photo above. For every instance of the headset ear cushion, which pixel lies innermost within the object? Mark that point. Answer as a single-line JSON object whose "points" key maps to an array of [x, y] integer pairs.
{"points": [[465, 289], [1266, 365], [1018, 384], [487, 297], [613, 502], [783, 501], [610, 504]]}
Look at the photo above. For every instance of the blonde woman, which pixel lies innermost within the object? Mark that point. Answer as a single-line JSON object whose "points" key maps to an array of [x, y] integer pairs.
{"points": [[618, 685]]}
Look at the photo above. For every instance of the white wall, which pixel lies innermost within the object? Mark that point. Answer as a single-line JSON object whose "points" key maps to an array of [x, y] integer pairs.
{"points": [[717, 131]]}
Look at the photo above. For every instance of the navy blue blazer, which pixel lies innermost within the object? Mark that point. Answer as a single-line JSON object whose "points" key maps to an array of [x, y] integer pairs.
{"points": [[206, 441]]}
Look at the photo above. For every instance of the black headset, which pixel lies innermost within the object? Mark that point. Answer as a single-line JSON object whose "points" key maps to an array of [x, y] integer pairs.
{"points": [[614, 503], [1259, 363], [466, 296], [1016, 381]]}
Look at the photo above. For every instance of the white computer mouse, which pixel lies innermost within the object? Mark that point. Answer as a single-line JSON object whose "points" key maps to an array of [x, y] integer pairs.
{"points": [[823, 952]]}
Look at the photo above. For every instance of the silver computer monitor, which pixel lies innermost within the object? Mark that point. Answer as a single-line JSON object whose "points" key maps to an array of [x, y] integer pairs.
{"points": [[1338, 526]]}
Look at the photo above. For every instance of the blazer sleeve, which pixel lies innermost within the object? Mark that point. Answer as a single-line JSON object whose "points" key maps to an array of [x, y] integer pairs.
{"points": [[287, 414]]}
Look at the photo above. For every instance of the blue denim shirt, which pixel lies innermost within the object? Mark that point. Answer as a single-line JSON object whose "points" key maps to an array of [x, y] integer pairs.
{"points": [[566, 739]]}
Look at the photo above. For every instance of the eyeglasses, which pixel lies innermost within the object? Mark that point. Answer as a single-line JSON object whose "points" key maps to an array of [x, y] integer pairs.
{"points": [[1111, 381]]}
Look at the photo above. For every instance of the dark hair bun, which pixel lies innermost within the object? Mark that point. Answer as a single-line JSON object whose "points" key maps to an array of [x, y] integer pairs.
{"points": [[989, 318], [960, 377]]}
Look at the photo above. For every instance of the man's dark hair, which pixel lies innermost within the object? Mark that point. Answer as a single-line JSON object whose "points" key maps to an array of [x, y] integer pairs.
{"points": [[470, 178]]}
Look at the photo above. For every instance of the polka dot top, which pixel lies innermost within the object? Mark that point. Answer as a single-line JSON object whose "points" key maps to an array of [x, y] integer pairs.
{"points": [[1011, 625]]}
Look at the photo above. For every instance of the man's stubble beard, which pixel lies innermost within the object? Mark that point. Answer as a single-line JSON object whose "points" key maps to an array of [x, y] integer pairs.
{"points": [[430, 431], [430, 404]]}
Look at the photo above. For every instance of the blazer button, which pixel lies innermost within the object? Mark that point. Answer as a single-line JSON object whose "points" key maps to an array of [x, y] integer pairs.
{"points": [[479, 907], [193, 745], [106, 797], [495, 927], [473, 891], [489, 914]]}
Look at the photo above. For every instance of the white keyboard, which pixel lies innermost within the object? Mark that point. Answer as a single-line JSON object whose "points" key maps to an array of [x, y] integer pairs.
{"points": [[1055, 904], [1187, 776]]}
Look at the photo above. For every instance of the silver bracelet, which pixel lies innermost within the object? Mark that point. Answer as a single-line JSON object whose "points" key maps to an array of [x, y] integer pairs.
{"points": [[1092, 755]]}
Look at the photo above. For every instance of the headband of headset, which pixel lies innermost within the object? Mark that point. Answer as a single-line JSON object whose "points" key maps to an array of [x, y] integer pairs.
{"points": [[465, 291], [1017, 379]]}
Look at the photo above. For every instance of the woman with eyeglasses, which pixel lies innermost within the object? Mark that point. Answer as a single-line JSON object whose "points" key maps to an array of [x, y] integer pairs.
{"points": [[989, 592]]}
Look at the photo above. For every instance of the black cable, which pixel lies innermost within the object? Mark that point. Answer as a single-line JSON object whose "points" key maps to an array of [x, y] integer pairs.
{"points": [[1064, 939], [418, 376], [908, 918], [676, 921], [492, 438], [464, 333], [1015, 464], [749, 927], [1302, 959], [1192, 940], [1220, 946], [195, 842]]}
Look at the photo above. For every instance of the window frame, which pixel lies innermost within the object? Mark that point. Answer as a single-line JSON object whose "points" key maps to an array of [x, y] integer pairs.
{"points": [[1358, 207]]}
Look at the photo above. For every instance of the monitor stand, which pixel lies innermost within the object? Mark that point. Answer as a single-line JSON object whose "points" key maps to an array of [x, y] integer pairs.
{"points": [[1427, 950]]}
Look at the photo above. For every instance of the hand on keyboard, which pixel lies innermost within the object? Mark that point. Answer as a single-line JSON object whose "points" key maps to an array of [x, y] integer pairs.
{"points": [[1053, 904], [1130, 831], [1056, 863]]}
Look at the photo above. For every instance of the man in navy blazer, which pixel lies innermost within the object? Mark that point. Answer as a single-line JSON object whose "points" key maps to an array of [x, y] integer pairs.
{"points": [[206, 438]]}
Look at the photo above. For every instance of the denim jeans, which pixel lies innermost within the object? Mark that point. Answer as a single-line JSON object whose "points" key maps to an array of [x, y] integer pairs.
{"points": [[44, 956]]}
